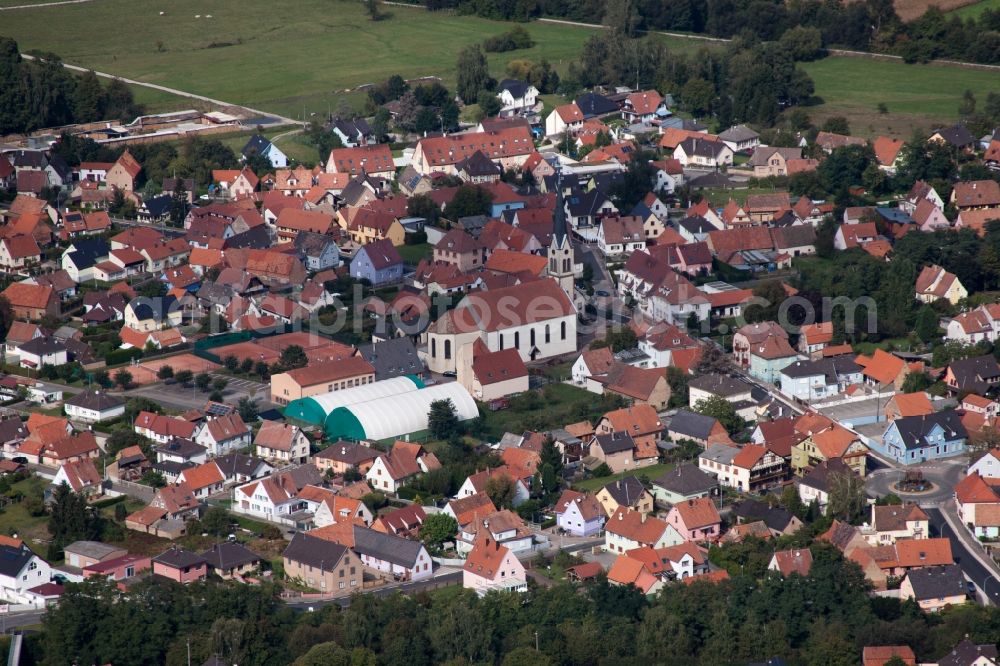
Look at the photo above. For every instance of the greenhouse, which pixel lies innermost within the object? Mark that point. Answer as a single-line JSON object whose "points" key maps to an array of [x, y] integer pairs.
{"points": [[315, 409], [397, 415]]}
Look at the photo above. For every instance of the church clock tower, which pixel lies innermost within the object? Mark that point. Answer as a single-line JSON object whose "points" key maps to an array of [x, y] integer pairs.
{"points": [[560, 252]]}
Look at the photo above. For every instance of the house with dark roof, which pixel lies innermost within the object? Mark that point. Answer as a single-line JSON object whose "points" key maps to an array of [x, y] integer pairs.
{"points": [[20, 570], [956, 136], [82, 255], [94, 407], [811, 380], [935, 588], [968, 653], [683, 483], [593, 105], [694, 426], [259, 145], [180, 565], [354, 132], [516, 96], [778, 520], [626, 492], [396, 357], [976, 374], [392, 556], [230, 559], [916, 439], [323, 565]]}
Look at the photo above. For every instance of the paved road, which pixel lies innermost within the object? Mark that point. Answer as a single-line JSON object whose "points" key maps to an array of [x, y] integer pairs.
{"points": [[945, 475], [973, 569], [11, 621]]}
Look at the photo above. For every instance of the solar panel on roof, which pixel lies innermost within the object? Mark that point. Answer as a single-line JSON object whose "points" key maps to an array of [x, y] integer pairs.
{"points": [[218, 409]]}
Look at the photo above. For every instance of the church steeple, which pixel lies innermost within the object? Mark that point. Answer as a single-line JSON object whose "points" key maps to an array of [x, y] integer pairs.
{"points": [[559, 235], [560, 254]]}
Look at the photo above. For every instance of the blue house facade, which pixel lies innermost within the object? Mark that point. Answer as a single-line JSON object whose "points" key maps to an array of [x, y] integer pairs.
{"points": [[377, 262], [916, 439]]}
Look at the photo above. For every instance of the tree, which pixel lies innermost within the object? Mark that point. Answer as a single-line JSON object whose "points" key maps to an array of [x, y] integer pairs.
{"points": [[473, 74], [792, 502], [500, 488], [917, 381], [262, 370], [847, 496], [721, 409], [489, 104], [219, 384], [442, 420], [550, 455], [803, 43], [183, 376], [165, 372], [140, 404], [470, 200], [178, 204], [698, 96], [123, 378], [423, 206], [102, 378], [202, 381], [231, 363], [380, 123], [926, 326], [374, 9], [246, 366], [678, 381], [6, 316], [217, 521], [293, 356], [71, 519], [153, 478], [837, 125], [619, 339], [247, 408], [713, 361], [438, 528]]}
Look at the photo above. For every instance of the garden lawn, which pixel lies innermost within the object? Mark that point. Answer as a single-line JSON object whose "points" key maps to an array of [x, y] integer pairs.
{"points": [[412, 254], [14, 518], [916, 96], [651, 472], [557, 406]]}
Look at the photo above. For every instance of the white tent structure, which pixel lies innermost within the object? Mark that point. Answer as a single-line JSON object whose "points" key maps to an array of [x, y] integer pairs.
{"points": [[396, 415], [316, 409]]}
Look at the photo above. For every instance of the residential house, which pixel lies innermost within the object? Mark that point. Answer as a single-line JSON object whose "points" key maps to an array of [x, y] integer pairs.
{"points": [[740, 138], [814, 486], [915, 439], [826, 440], [372, 160], [752, 468], [643, 107], [343, 456], [936, 283], [377, 262], [231, 560], [935, 588], [509, 147], [684, 482], [281, 442], [404, 522], [625, 492], [323, 565], [31, 301], [893, 522], [393, 556], [976, 195], [20, 570], [180, 566], [696, 427], [259, 145], [222, 434], [477, 482], [392, 470], [809, 381], [123, 173], [491, 566], [976, 374], [778, 521], [768, 161], [579, 514], [887, 153], [564, 118], [695, 520], [703, 153], [94, 407], [883, 370], [787, 562], [19, 252], [627, 529]]}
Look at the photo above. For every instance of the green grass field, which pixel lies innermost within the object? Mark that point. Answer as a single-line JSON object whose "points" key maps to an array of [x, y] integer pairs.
{"points": [[303, 62], [917, 96], [651, 472], [975, 9]]}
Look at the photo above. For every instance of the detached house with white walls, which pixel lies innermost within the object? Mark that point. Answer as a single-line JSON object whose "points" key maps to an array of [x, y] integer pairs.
{"points": [[223, 434]]}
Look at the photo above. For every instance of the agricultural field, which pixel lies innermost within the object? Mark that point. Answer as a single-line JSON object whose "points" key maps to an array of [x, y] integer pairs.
{"points": [[916, 96]]}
